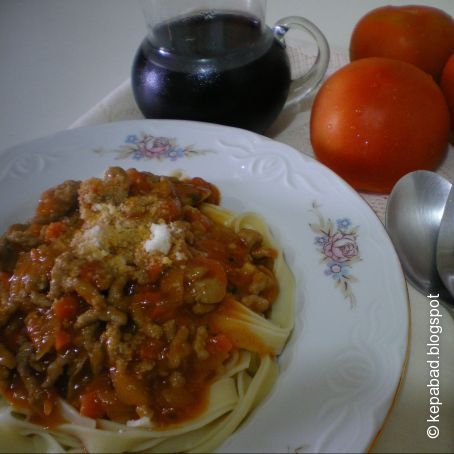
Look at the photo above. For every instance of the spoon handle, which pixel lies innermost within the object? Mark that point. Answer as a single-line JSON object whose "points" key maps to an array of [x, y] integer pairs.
{"points": [[445, 248]]}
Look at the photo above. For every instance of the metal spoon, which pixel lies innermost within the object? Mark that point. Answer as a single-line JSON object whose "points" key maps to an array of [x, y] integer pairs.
{"points": [[445, 245], [413, 215]]}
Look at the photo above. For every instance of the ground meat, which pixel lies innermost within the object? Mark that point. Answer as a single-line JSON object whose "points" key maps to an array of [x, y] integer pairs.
{"points": [[7, 304], [200, 341], [179, 348], [263, 253], [201, 309], [8, 255], [260, 281], [177, 380], [6, 358], [57, 202], [250, 238], [30, 280], [24, 236], [137, 206], [88, 293], [55, 369], [75, 372], [94, 347], [192, 195], [97, 356], [112, 340], [256, 303], [116, 294], [112, 189], [89, 317], [34, 390], [4, 378], [40, 299], [64, 272], [169, 329]]}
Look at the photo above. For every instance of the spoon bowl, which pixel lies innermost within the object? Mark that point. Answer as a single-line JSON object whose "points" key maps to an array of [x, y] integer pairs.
{"points": [[413, 216], [445, 245]]}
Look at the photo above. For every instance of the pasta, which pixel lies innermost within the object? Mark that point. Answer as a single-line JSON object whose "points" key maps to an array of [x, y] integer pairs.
{"points": [[136, 314]]}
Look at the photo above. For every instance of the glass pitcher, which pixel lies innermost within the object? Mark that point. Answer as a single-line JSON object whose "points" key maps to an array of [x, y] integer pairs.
{"points": [[217, 61]]}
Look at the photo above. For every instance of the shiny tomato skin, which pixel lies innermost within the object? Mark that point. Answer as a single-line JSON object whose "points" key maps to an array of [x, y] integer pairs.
{"points": [[421, 35], [447, 86], [376, 119]]}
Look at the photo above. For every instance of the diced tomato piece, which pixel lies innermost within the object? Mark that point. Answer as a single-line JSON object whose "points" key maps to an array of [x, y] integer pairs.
{"points": [[215, 249], [139, 182], [39, 331], [62, 340], [163, 311], [150, 349], [46, 205], [66, 308], [49, 404], [34, 325], [171, 210], [153, 305], [146, 298], [114, 409], [54, 230], [96, 273], [219, 343], [4, 279], [214, 267], [154, 271], [172, 286], [130, 389], [91, 405]]}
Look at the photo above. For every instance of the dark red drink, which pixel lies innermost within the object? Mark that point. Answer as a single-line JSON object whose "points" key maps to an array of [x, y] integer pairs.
{"points": [[221, 68]]}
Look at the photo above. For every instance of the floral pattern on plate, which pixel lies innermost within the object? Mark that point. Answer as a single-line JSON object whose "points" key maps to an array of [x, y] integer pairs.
{"points": [[337, 243], [146, 146]]}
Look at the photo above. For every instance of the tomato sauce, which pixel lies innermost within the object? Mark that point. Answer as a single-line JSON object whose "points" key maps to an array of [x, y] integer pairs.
{"points": [[127, 333]]}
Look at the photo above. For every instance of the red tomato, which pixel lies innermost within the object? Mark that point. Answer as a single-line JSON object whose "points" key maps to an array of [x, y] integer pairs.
{"points": [[66, 308], [219, 343], [55, 230], [447, 86], [376, 119], [91, 405], [421, 35], [62, 340]]}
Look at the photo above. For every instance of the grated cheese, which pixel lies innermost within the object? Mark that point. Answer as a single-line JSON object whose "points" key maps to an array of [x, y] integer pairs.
{"points": [[160, 239], [89, 243]]}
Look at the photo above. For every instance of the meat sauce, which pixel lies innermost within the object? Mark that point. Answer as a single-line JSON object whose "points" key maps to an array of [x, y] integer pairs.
{"points": [[117, 331]]}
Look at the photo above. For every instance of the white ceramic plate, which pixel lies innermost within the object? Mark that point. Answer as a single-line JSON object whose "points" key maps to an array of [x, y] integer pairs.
{"points": [[342, 366]]}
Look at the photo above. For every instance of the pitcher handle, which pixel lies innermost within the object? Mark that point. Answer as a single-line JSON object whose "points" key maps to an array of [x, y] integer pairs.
{"points": [[305, 84]]}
